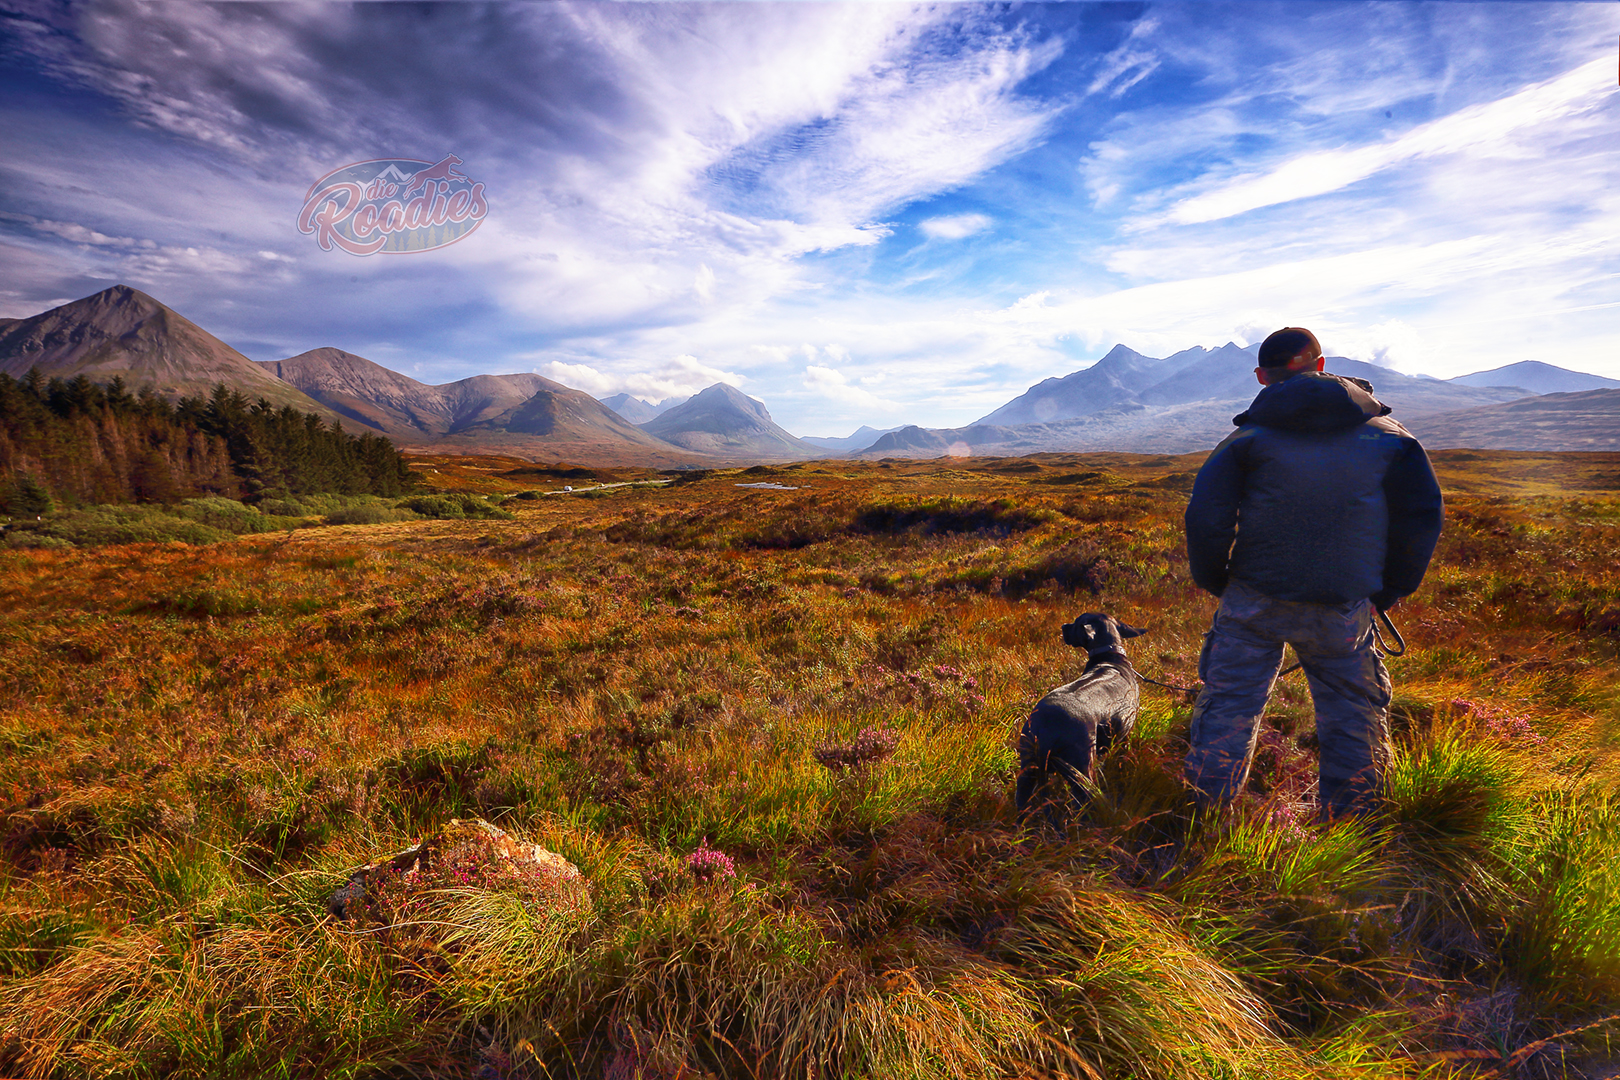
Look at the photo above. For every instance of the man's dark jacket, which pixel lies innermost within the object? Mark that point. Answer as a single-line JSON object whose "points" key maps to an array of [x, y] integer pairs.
{"points": [[1330, 500]]}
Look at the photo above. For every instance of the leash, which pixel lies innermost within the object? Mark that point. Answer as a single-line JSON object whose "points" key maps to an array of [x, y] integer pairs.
{"points": [[1396, 634], [1167, 686], [1378, 640]]}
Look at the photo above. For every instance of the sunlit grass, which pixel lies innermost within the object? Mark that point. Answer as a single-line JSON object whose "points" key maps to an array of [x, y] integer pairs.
{"points": [[196, 744]]}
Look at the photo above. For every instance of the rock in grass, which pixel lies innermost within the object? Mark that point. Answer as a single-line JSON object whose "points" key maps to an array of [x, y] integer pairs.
{"points": [[465, 853]]}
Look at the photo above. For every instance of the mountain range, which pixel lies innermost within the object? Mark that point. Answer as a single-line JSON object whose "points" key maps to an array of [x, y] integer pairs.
{"points": [[123, 332], [1126, 401], [1185, 402]]}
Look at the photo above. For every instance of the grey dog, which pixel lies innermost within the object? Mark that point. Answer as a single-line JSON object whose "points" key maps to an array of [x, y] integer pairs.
{"points": [[1075, 723]]}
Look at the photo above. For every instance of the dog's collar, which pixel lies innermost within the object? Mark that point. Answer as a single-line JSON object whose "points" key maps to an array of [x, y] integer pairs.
{"points": [[1107, 651]]}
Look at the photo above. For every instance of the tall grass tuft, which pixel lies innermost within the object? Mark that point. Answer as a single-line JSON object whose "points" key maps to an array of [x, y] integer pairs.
{"points": [[1563, 938], [1458, 820]]}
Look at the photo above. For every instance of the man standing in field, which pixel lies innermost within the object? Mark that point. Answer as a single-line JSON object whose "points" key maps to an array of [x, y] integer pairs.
{"points": [[1316, 512]]}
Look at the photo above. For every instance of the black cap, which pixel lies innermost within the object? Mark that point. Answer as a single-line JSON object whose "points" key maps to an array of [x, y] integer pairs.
{"points": [[1280, 348]]}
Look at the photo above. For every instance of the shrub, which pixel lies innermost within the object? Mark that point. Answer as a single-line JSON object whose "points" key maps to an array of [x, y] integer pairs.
{"points": [[452, 507], [231, 516], [995, 517], [870, 747], [20, 540], [318, 505], [97, 525], [370, 515]]}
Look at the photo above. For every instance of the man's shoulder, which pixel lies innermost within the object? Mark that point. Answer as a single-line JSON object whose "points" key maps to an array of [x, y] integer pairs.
{"points": [[1245, 432], [1389, 426]]}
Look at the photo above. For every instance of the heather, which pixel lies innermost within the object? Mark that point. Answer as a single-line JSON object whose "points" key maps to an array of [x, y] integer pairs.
{"points": [[773, 730]]}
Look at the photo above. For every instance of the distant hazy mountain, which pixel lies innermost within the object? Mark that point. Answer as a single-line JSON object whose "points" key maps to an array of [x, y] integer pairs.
{"points": [[396, 404], [1126, 427], [1538, 378], [725, 422], [1413, 396], [639, 410], [1584, 420], [864, 436], [1124, 376], [1180, 404], [124, 332]]}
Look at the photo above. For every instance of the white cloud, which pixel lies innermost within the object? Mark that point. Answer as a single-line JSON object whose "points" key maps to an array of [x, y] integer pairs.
{"points": [[681, 376], [954, 226], [834, 385], [1489, 129], [79, 234]]}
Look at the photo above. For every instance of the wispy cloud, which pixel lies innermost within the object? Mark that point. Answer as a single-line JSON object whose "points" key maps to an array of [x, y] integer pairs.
{"points": [[1490, 129], [954, 226], [1128, 64], [677, 377]]}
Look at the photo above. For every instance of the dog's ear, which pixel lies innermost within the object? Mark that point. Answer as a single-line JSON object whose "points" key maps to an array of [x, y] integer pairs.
{"points": [[1128, 631]]}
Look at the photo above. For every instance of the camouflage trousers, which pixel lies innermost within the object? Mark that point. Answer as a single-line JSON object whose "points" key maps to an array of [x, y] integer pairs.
{"points": [[1349, 688]]}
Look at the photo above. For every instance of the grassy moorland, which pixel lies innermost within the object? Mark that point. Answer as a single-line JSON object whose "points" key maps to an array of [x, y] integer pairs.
{"points": [[773, 729]]}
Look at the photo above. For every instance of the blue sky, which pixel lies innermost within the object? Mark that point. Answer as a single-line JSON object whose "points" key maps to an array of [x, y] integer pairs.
{"points": [[858, 213]]}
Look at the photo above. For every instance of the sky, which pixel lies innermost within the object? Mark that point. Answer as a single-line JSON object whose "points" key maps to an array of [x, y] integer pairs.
{"points": [[870, 213]]}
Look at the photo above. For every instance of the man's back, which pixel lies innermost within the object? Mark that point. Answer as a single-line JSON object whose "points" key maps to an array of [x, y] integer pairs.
{"points": [[1317, 497]]}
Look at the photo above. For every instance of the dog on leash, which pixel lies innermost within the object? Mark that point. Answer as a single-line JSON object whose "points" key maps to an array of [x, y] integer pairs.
{"points": [[1072, 725]]}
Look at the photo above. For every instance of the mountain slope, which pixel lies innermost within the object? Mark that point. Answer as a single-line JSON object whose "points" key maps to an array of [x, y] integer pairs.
{"points": [[398, 405], [521, 413], [725, 422], [480, 398], [1116, 377], [1583, 420], [1199, 374], [364, 391], [124, 332], [1538, 378], [1127, 427], [561, 413]]}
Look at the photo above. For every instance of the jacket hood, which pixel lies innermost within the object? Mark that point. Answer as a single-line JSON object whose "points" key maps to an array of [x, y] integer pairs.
{"points": [[1314, 401]]}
